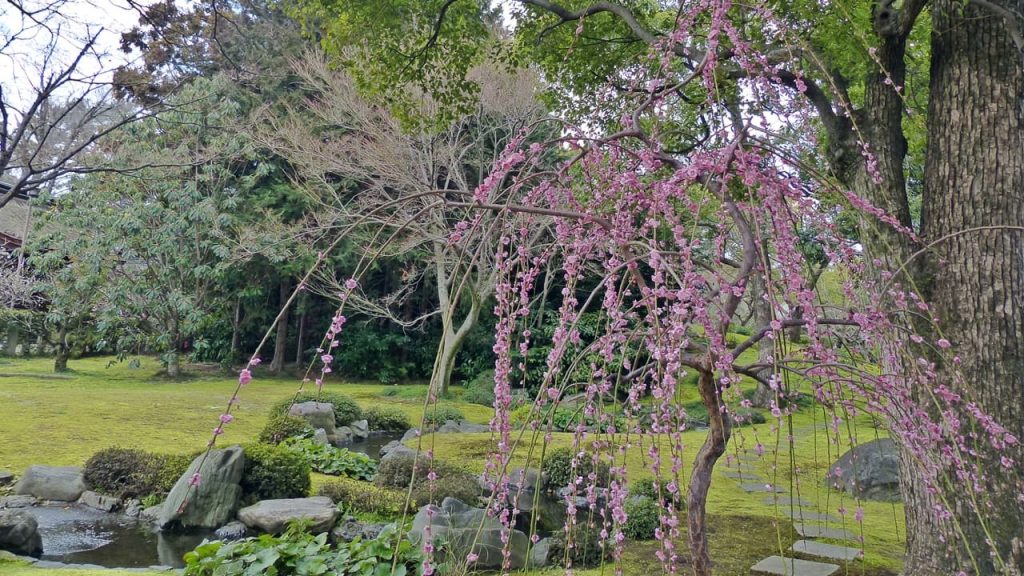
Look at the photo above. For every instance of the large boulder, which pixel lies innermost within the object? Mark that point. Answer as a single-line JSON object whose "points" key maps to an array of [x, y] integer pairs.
{"points": [[19, 533], [273, 516], [214, 501], [870, 471], [465, 529], [63, 483], [318, 414]]}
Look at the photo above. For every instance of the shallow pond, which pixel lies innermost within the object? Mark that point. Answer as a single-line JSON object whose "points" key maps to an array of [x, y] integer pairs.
{"points": [[79, 535], [371, 446]]}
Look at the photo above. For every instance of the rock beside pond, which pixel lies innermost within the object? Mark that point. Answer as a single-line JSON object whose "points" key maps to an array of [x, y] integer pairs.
{"points": [[98, 501], [466, 529], [151, 514], [19, 533], [360, 428], [870, 471], [273, 515], [342, 436], [320, 436], [317, 414], [61, 483], [214, 501], [233, 530], [6, 477], [18, 501], [132, 508]]}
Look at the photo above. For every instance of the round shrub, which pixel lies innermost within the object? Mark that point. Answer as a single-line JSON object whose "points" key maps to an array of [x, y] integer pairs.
{"points": [[122, 472], [346, 411], [558, 469], [387, 418], [480, 390], [657, 490], [450, 483], [437, 415], [281, 427], [357, 496], [396, 471], [273, 472], [642, 518]]}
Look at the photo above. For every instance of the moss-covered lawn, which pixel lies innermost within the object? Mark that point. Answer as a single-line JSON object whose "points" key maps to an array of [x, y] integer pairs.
{"points": [[62, 420]]}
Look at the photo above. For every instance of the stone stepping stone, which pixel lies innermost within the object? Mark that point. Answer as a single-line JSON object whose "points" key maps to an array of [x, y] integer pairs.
{"points": [[743, 476], [786, 501], [793, 567], [830, 551], [816, 531], [809, 515], [755, 487]]}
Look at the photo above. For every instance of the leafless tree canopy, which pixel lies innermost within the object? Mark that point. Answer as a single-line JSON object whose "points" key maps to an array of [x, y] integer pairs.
{"points": [[56, 102]]}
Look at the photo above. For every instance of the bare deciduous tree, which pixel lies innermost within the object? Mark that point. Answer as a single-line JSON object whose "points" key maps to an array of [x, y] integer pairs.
{"points": [[412, 189]]}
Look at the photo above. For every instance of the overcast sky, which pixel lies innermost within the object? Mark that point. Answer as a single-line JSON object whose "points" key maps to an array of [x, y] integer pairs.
{"points": [[23, 43]]}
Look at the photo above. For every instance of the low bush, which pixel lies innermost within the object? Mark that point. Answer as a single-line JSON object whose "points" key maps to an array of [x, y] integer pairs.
{"points": [[297, 552], [559, 472], [122, 472], [438, 415], [282, 426], [346, 411], [747, 417], [364, 497], [450, 483], [480, 390], [387, 418], [642, 518], [273, 472], [171, 468], [327, 459]]}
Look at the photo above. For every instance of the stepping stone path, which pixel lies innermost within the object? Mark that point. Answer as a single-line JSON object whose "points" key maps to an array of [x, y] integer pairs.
{"points": [[793, 567], [794, 508], [786, 501], [817, 531], [762, 487], [805, 515], [821, 550]]}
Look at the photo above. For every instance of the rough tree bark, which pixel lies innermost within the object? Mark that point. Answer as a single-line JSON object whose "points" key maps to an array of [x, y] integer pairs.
{"points": [[974, 178]]}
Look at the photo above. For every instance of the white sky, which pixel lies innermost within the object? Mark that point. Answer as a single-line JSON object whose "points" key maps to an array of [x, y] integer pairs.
{"points": [[22, 58]]}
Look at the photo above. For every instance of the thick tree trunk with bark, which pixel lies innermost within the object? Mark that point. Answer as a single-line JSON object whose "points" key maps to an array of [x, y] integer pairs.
{"points": [[281, 340], [974, 178]]}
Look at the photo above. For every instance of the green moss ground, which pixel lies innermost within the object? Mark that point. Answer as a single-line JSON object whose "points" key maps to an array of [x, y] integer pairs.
{"points": [[62, 421]]}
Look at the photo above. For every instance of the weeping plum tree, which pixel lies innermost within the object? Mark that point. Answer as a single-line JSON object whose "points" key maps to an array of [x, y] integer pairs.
{"points": [[849, 76]]}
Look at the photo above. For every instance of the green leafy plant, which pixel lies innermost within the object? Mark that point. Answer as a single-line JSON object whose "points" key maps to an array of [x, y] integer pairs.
{"points": [[327, 459], [387, 418], [396, 471], [273, 472], [364, 497], [298, 553], [280, 427], [586, 550], [346, 411], [559, 472]]}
